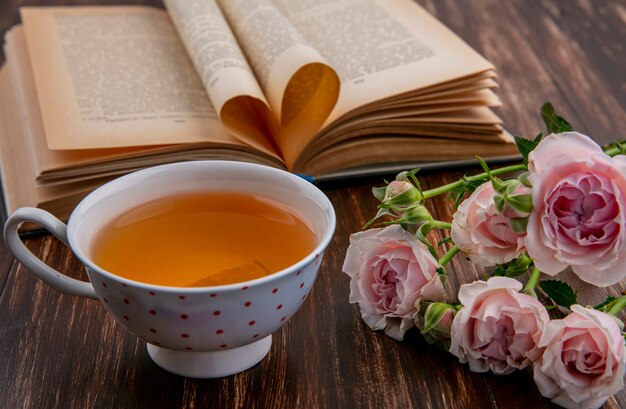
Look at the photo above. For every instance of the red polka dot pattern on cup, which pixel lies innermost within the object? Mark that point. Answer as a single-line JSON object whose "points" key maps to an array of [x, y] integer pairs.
{"points": [[192, 325]]}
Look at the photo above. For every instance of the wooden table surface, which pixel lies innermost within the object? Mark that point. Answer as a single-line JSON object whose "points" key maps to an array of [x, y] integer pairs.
{"points": [[66, 352]]}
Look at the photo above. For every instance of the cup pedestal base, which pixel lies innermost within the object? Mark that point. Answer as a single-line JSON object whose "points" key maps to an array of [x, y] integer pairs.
{"points": [[213, 364]]}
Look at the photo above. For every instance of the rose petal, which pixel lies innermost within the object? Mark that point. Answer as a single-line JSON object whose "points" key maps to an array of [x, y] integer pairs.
{"points": [[391, 272]]}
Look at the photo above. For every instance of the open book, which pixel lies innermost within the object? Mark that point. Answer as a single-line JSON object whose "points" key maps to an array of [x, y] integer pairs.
{"points": [[315, 87]]}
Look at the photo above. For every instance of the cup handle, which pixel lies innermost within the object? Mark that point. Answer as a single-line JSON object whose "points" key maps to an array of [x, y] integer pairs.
{"points": [[52, 277]]}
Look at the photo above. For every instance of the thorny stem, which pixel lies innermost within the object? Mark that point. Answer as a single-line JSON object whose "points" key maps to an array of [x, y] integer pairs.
{"points": [[448, 256], [615, 150], [611, 151], [446, 188], [618, 305], [532, 282], [438, 224]]}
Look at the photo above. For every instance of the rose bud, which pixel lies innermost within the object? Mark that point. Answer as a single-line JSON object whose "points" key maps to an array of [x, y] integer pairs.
{"points": [[397, 193], [436, 322], [417, 215]]}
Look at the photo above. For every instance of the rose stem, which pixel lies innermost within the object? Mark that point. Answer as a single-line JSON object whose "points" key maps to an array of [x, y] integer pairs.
{"points": [[614, 150], [532, 282], [618, 305], [610, 151], [438, 224], [448, 256], [446, 188]]}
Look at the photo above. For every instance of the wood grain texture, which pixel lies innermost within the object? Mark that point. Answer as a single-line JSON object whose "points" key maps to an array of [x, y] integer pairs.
{"points": [[58, 351]]}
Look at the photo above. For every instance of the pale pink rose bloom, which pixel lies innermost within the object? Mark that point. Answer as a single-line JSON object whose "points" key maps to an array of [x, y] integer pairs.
{"points": [[391, 273], [583, 361], [398, 187], [483, 233], [578, 219], [498, 328]]}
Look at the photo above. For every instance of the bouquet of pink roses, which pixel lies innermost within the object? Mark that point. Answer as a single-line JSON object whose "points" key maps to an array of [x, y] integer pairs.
{"points": [[566, 209]]}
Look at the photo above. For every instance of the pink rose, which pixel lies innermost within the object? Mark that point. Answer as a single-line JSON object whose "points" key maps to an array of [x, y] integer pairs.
{"points": [[391, 273], [578, 215], [398, 187], [483, 233], [498, 327], [583, 361]]}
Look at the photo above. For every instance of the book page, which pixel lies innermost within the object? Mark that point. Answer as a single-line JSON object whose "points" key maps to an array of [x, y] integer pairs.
{"points": [[300, 86], [225, 73], [43, 159], [381, 48], [46, 160], [115, 76]]}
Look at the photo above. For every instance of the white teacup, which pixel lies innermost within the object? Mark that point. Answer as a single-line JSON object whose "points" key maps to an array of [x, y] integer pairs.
{"points": [[200, 332]]}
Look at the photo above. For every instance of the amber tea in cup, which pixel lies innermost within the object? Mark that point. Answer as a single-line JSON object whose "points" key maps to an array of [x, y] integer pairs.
{"points": [[200, 239], [145, 239]]}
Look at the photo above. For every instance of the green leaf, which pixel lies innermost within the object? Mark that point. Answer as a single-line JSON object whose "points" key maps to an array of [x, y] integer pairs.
{"points": [[381, 212], [468, 186], [604, 303], [421, 236], [560, 292], [523, 177], [526, 146], [513, 268], [554, 123], [444, 241], [379, 193], [522, 202], [518, 224], [443, 275]]}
